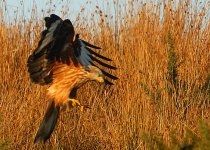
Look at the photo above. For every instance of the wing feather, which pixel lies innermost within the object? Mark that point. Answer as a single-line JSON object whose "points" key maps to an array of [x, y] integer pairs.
{"points": [[87, 57], [56, 44], [108, 82], [109, 75], [102, 63], [90, 45], [98, 55]]}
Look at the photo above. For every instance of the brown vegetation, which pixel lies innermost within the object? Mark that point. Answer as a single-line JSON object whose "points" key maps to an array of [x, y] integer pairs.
{"points": [[162, 55]]}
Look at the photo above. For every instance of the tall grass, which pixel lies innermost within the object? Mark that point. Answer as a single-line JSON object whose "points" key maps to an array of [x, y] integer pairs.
{"points": [[162, 54]]}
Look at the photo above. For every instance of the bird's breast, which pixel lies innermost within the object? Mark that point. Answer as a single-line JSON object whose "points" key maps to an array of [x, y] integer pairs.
{"points": [[65, 78]]}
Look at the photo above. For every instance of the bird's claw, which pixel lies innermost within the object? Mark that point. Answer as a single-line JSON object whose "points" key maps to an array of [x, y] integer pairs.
{"points": [[75, 102]]}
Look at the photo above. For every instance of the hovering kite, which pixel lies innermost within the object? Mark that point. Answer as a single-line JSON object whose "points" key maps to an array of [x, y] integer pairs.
{"points": [[64, 62]]}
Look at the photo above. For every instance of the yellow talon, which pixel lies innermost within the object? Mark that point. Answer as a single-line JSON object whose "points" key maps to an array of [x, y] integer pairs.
{"points": [[75, 102]]}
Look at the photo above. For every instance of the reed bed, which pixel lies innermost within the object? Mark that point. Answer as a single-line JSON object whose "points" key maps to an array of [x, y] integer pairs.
{"points": [[162, 54]]}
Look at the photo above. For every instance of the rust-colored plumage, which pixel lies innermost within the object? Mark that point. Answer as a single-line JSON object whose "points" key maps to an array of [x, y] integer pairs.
{"points": [[65, 64]]}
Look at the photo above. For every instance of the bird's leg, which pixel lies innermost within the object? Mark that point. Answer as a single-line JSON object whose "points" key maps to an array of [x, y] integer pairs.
{"points": [[75, 102]]}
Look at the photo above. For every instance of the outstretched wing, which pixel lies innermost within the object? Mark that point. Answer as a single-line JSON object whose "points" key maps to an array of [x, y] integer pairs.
{"points": [[56, 44], [87, 56]]}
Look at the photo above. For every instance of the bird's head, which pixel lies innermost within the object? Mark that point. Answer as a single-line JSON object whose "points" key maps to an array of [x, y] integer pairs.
{"points": [[95, 74]]}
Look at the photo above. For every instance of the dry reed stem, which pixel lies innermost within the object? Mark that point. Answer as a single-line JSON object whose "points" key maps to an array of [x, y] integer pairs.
{"points": [[139, 101]]}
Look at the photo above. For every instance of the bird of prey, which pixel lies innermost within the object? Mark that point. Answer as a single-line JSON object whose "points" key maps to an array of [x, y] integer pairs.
{"points": [[64, 62]]}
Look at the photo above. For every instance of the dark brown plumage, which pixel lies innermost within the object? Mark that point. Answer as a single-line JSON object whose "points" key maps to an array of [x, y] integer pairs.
{"points": [[65, 64]]}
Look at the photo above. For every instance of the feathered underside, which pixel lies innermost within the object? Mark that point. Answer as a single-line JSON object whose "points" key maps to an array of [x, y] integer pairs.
{"points": [[57, 45]]}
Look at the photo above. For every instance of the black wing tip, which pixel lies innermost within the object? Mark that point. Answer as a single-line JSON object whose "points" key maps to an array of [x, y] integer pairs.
{"points": [[54, 17], [51, 19], [109, 75], [98, 55], [102, 63], [114, 78], [46, 18], [108, 82], [90, 45]]}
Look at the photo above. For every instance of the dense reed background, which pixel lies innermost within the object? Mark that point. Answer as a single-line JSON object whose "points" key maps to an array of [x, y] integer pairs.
{"points": [[162, 54]]}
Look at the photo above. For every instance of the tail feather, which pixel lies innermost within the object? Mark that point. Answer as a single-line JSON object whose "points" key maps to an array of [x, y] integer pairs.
{"points": [[48, 123]]}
